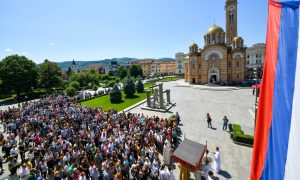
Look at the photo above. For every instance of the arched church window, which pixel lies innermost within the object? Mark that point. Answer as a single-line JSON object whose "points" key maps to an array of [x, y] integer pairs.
{"points": [[208, 40], [214, 57], [238, 57], [231, 17], [219, 38], [214, 39]]}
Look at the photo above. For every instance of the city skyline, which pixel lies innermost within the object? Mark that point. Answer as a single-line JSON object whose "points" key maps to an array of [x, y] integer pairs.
{"points": [[62, 31]]}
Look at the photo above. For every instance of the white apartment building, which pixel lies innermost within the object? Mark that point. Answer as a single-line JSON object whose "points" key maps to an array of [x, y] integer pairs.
{"points": [[255, 56], [179, 62], [155, 67]]}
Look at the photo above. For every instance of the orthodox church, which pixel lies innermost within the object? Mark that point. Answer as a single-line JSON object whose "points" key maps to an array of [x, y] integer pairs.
{"points": [[222, 60]]}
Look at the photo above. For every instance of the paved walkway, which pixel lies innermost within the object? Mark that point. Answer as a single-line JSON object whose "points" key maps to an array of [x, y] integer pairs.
{"points": [[193, 104]]}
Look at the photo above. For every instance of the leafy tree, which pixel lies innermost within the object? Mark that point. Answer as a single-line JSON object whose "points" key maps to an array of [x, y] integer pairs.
{"points": [[88, 78], [79, 77], [104, 77], [112, 73], [113, 77], [135, 70], [71, 91], [50, 75], [122, 72], [111, 83], [115, 94], [140, 86], [75, 85], [129, 86], [18, 74], [91, 77]]}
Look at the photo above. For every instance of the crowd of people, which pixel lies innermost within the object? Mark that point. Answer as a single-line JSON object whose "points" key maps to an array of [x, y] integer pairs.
{"points": [[55, 138]]}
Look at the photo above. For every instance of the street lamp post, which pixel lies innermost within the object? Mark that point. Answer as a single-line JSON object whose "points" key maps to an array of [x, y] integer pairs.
{"points": [[256, 95]]}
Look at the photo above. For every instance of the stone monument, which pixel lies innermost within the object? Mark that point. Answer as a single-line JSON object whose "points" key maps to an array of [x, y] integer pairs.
{"points": [[157, 101]]}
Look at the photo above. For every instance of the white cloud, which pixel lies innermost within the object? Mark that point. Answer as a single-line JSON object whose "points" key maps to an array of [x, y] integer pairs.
{"points": [[51, 44], [8, 50], [24, 53]]}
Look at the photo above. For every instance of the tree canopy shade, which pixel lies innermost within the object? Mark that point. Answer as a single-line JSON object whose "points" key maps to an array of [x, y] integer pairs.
{"points": [[71, 91], [18, 74], [129, 86], [122, 72], [75, 85], [84, 78], [50, 75], [135, 71]]}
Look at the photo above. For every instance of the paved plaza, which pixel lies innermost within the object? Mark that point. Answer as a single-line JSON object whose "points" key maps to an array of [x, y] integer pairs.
{"points": [[192, 104]]}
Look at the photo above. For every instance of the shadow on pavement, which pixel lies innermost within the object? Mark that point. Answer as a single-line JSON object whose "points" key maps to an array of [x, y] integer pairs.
{"points": [[225, 174]]}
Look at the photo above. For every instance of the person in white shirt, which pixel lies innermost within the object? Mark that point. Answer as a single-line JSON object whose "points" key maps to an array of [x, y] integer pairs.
{"points": [[167, 152], [172, 176], [164, 173], [24, 172], [217, 160], [207, 168], [82, 176], [14, 151], [94, 172]]}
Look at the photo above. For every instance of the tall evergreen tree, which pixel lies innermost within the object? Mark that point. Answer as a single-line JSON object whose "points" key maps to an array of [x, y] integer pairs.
{"points": [[115, 94], [140, 86], [129, 86]]}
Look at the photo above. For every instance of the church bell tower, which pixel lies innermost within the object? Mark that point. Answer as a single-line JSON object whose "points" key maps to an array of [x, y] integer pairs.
{"points": [[231, 20]]}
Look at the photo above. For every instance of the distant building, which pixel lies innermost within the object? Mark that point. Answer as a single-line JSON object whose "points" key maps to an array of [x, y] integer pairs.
{"points": [[73, 66], [255, 59], [101, 70], [64, 75], [179, 62], [157, 67], [134, 62], [113, 66], [146, 66], [167, 67]]}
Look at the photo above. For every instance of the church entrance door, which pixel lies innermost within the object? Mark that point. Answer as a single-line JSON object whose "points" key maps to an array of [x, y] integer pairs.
{"points": [[213, 75], [213, 78], [194, 80]]}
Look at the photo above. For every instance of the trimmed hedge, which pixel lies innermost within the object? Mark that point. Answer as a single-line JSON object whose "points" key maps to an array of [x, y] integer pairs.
{"points": [[239, 136], [244, 138]]}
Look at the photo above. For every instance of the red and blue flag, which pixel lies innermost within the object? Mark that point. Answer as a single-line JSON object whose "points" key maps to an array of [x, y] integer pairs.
{"points": [[276, 152]]}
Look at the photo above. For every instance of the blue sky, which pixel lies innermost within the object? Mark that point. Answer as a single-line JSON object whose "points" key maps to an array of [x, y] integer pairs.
{"points": [[62, 30]]}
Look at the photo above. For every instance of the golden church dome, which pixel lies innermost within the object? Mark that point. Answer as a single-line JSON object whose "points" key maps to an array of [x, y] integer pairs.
{"points": [[193, 45], [237, 38], [215, 29]]}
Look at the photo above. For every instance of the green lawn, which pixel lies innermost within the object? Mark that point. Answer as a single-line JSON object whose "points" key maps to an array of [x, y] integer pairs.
{"points": [[7, 100], [105, 103], [147, 85], [168, 79]]}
